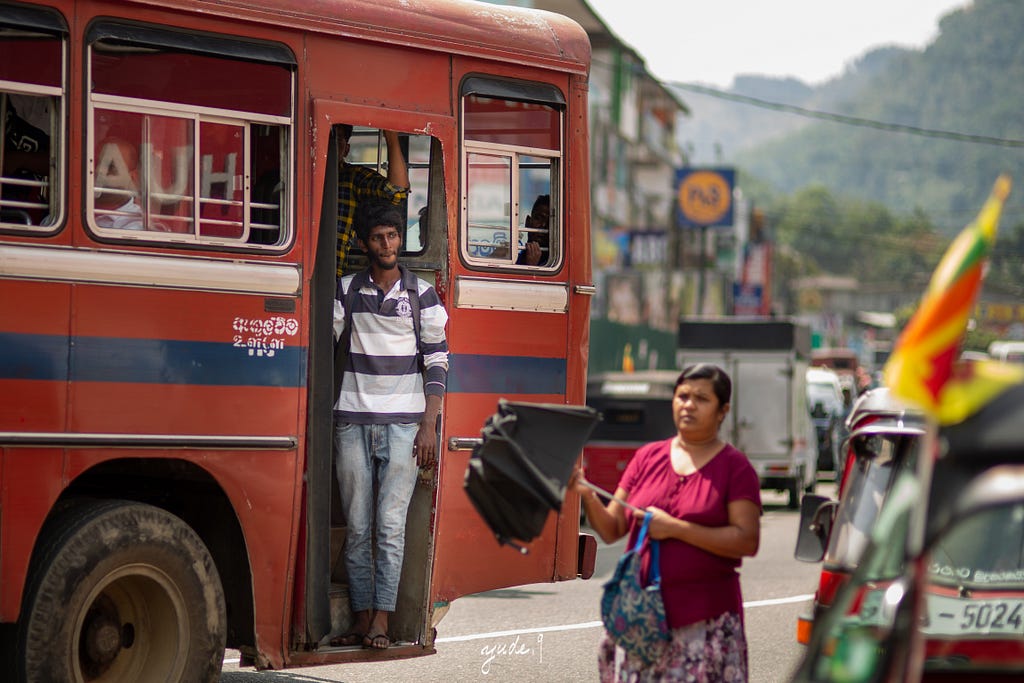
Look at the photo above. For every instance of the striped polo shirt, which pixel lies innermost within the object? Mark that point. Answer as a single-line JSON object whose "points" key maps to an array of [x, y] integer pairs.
{"points": [[382, 382]]}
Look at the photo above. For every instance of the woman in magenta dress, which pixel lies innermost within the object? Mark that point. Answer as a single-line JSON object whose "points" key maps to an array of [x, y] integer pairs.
{"points": [[706, 500]]}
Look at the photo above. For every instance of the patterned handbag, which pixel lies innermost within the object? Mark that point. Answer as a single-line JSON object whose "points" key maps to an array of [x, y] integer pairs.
{"points": [[634, 614]]}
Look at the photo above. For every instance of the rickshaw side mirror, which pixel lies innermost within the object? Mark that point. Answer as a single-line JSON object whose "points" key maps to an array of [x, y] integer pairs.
{"points": [[816, 516]]}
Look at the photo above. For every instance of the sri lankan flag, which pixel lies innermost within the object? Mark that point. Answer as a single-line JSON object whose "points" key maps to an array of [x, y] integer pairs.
{"points": [[922, 369]]}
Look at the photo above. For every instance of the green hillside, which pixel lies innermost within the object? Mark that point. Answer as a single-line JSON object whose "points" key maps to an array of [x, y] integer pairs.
{"points": [[969, 82]]}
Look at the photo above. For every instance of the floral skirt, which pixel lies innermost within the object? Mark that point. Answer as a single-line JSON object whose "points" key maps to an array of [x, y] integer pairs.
{"points": [[710, 651]]}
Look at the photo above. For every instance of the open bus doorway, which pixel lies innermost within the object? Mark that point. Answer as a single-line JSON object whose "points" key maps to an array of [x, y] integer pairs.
{"points": [[424, 242]]}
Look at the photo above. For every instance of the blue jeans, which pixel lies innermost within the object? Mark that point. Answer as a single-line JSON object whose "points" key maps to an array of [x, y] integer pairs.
{"points": [[375, 458]]}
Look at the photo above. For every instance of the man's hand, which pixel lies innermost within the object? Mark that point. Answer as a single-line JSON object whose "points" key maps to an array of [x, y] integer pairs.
{"points": [[531, 254], [424, 448]]}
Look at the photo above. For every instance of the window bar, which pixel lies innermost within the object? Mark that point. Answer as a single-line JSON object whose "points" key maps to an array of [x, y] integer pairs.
{"points": [[197, 155], [246, 181], [3, 143], [513, 247]]}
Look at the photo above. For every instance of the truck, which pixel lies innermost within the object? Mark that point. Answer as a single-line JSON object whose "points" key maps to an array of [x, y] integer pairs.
{"points": [[769, 419]]}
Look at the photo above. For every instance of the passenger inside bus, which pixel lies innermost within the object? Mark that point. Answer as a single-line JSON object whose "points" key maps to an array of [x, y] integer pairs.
{"points": [[266, 203], [537, 230], [117, 185], [535, 253], [24, 158], [358, 183]]}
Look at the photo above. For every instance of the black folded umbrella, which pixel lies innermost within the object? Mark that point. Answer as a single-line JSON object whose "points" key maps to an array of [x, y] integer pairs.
{"points": [[518, 473]]}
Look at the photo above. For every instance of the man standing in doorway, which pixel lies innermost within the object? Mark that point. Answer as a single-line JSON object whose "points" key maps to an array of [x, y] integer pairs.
{"points": [[386, 413], [357, 184]]}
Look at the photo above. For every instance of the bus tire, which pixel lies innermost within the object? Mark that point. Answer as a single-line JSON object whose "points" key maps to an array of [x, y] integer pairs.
{"points": [[122, 592]]}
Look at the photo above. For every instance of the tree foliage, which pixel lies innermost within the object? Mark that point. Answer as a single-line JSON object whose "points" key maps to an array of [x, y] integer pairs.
{"points": [[851, 237], [819, 233]]}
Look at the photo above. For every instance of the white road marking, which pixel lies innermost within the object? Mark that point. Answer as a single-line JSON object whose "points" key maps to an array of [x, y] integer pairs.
{"points": [[779, 601], [581, 626], [598, 624]]}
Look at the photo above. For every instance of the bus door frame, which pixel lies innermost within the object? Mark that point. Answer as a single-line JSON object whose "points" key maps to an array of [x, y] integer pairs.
{"points": [[313, 618]]}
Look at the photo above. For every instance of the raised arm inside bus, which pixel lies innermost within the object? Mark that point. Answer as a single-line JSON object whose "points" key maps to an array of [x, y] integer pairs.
{"points": [[366, 179]]}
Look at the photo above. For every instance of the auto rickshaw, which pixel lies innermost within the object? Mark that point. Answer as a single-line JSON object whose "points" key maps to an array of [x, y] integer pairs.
{"points": [[938, 592], [884, 436]]}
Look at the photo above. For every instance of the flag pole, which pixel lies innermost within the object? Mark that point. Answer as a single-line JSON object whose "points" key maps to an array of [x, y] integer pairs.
{"points": [[604, 494]]}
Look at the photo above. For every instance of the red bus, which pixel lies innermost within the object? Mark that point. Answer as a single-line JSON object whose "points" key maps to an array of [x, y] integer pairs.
{"points": [[167, 271]]}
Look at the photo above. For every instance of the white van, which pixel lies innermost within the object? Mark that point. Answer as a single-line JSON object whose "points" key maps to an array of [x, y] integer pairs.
{"points": [[825, 403], [1007, 351]]}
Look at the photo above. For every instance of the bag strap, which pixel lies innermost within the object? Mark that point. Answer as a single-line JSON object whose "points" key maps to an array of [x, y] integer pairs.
{"points": [[640, 537], [413, 290], [344, 343], [654, 571]]}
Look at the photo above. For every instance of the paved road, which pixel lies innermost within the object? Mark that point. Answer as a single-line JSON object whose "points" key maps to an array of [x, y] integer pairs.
{"points": [[550, 632]]}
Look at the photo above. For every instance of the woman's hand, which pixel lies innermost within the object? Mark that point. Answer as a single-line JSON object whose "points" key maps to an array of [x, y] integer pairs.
{"points": [[740, 537], [577, 482], [609, 521], [662, 526]]}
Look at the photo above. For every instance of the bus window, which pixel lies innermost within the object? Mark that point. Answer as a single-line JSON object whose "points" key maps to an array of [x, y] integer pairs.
{"points": [[425, 203], [31, 119], [419, 194], [367, 148], [511, 177], [199, 153]]}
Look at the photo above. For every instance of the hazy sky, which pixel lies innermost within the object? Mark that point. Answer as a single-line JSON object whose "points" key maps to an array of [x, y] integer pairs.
{"points": [[710, 41]]}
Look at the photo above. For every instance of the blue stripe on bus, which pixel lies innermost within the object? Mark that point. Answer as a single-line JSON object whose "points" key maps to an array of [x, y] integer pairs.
{"points": [[33, 356], [112, 359], [155, 361], [480, 374]]}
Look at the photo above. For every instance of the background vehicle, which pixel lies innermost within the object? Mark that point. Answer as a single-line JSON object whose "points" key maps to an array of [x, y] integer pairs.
{"points": [[636, 408], [883, 441], [938, 594], [843, 361], [825, 400], [769, 419], [165, 391], [1007, 351]]}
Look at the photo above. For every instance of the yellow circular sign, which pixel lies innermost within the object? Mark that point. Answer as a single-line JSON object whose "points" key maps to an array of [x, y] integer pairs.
{"points": [[705, 197]]}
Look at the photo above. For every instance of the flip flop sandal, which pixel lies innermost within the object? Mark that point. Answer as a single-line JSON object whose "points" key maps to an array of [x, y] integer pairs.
{"points": [[372, 640], [347, 639]]}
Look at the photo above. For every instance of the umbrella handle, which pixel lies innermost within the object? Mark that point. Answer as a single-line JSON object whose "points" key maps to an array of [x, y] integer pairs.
{"points": [[601, 492]]}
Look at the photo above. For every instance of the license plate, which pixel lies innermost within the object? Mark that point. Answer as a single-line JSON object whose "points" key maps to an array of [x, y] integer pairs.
{"points": [[949, 616]]}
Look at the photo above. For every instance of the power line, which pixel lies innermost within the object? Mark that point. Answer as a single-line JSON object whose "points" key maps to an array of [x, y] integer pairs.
{"points": [[848, 120]]}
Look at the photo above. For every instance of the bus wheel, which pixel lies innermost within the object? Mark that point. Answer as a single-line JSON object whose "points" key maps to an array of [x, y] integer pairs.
{"points": [[122, 592]]}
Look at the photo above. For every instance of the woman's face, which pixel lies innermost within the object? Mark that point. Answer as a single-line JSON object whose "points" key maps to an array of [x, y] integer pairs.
{"points": [[696, 411]]}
